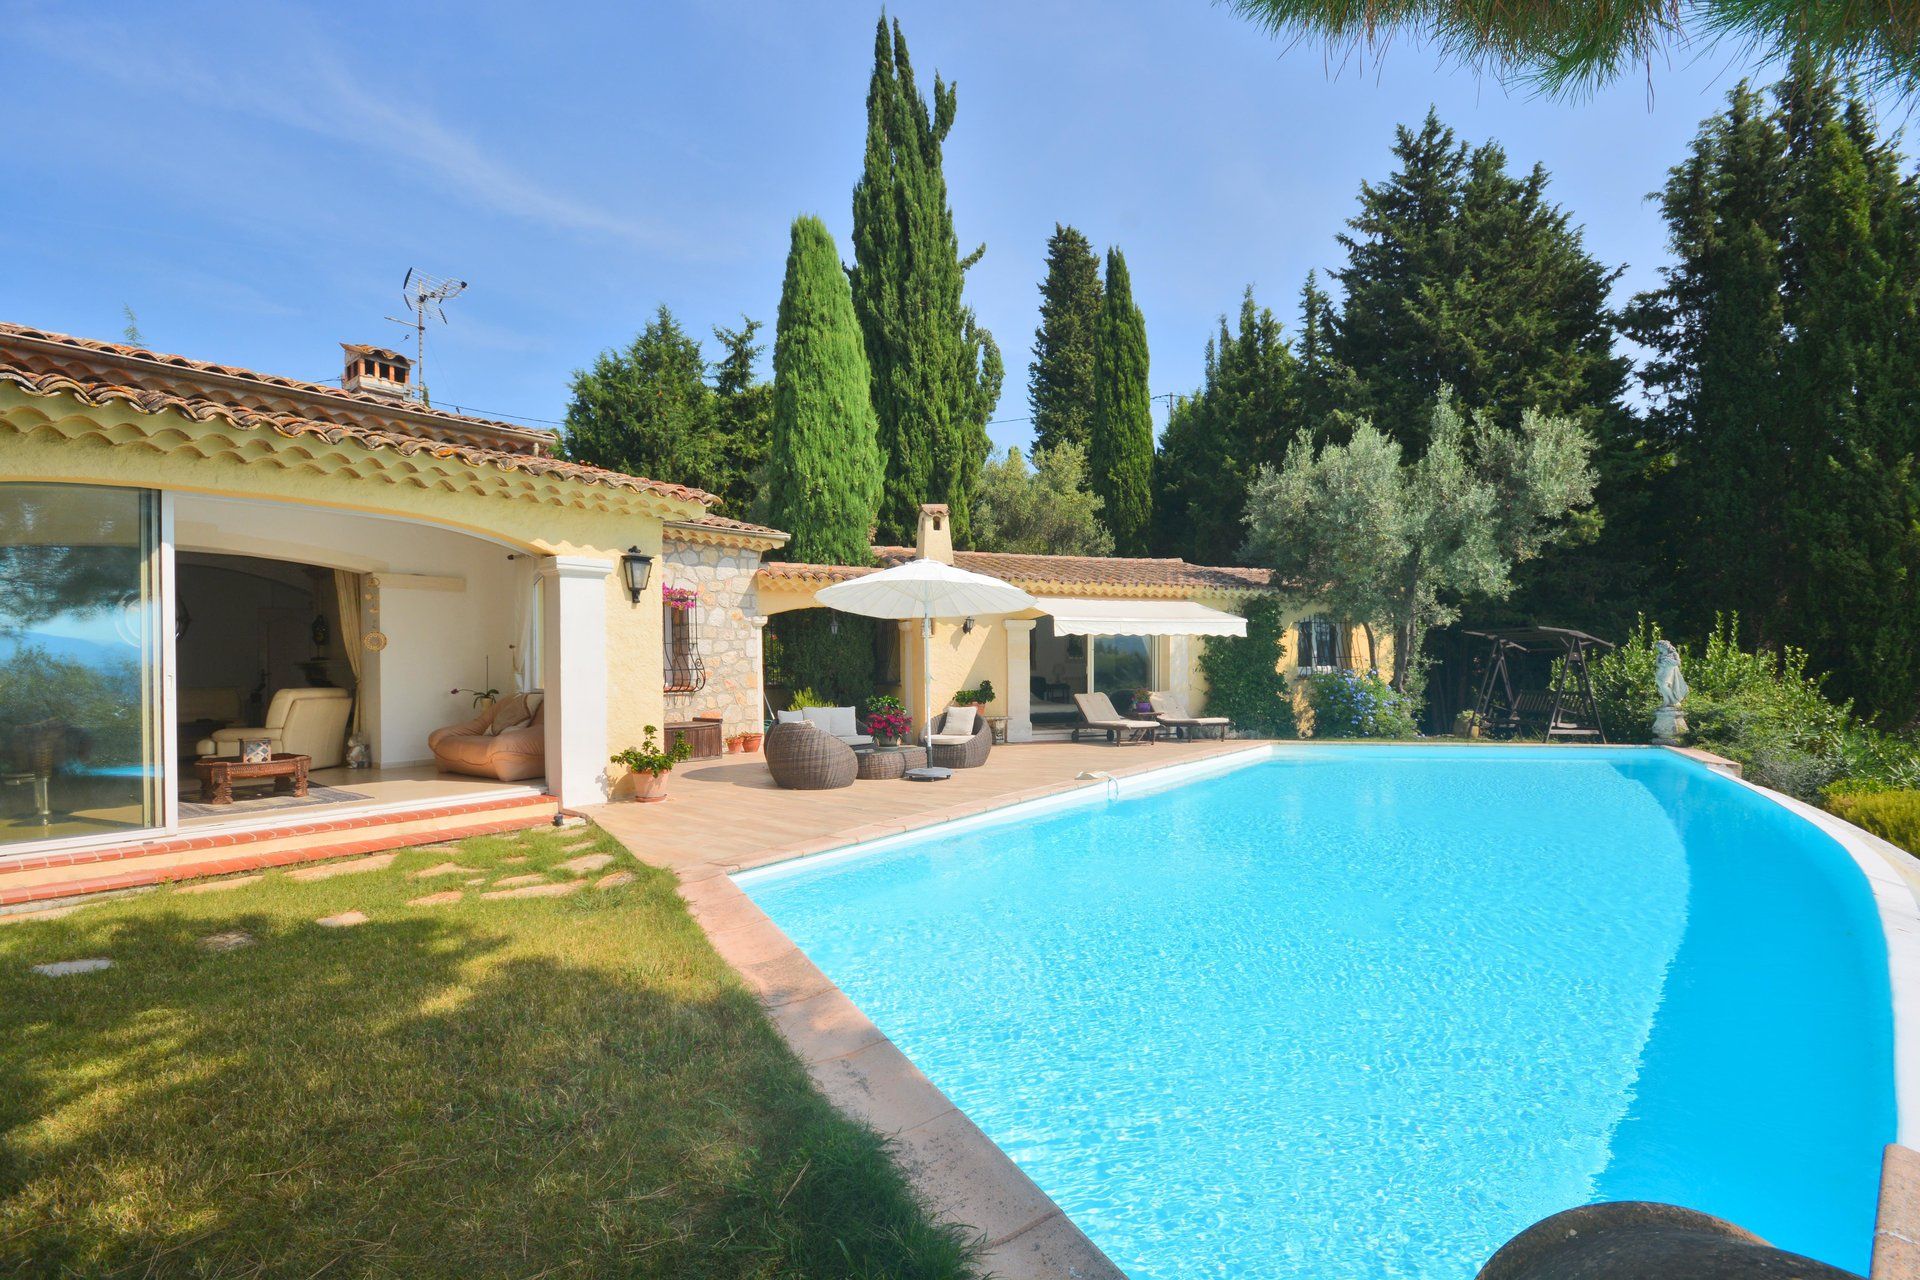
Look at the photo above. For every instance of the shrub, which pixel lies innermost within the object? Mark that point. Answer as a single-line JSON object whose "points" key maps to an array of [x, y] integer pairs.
{"points": [[1760, 708], [1243, 674], [1350, 704], [1891, 815], [829, 653], [804, 697]]}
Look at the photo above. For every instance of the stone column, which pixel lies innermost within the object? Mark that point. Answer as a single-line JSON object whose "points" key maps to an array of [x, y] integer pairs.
{"points": [[574, 618], [1019, 679]]}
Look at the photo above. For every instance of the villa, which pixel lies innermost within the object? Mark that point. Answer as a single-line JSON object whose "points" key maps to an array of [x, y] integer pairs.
{"points": [[192, 551]]}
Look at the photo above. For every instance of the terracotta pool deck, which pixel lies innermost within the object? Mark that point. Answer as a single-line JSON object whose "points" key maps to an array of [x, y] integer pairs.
{"points": [[726, 815]]}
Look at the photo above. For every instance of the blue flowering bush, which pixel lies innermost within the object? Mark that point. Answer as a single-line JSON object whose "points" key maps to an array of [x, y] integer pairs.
{"points": [[1355, 704]]}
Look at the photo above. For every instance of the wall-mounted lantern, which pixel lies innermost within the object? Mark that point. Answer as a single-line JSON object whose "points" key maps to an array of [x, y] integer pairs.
{"points": [[637, 567]]}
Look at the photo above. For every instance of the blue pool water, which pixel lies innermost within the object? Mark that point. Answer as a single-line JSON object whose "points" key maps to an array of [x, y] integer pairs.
{"points": [[1369, 1012]]}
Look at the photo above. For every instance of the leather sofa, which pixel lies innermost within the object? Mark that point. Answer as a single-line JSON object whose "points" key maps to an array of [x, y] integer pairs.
{"points": [[301, 722], [506, 741]]}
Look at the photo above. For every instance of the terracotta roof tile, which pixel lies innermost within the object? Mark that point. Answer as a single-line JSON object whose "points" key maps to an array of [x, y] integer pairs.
{"points": [[1050, 574], [96, 373]]}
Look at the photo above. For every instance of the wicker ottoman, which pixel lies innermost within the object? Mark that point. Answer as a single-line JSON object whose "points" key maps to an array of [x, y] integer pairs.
{"points": [[883, 763]]}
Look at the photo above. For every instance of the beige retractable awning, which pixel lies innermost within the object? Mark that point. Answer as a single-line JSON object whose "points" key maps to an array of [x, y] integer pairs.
{"points": [[1138, 618]]}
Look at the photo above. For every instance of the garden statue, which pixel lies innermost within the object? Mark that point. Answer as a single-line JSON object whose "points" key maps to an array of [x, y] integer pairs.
{"points": [[1669, 722]]}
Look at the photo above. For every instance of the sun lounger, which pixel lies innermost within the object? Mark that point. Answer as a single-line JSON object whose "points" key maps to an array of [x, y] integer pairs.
{"points": [[1172, 713], [1097, 710]]}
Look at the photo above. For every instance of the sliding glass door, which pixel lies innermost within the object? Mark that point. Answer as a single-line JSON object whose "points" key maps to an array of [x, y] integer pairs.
{"points": [[1122, 667], [80, 656]]}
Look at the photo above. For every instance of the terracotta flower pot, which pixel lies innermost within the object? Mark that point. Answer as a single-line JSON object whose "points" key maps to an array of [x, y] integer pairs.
{"points": [[735, 744], [649, 788], [750, 742]]}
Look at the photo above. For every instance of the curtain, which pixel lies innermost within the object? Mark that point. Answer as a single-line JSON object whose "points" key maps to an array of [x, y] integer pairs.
{"points": [[526, 630], [346, 591]]}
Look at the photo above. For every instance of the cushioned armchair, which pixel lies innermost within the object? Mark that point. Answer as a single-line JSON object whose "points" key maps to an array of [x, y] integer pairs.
{"points": [[300, 722], [802, 756], [961, 739], [507, 741]]}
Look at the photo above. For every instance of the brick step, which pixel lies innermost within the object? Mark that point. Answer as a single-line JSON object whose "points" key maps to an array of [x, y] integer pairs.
{"points": [[43, 877]]}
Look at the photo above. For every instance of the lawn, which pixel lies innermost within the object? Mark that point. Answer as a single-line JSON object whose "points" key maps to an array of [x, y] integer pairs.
{"points": [[558, 1086]]}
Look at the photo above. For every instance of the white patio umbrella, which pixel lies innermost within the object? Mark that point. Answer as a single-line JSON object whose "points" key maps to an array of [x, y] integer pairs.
{"points": [[925, 589]]}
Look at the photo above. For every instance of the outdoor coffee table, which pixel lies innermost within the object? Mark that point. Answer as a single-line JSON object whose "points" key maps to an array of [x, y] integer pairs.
{"points": [[218, 774], [882, 763]]}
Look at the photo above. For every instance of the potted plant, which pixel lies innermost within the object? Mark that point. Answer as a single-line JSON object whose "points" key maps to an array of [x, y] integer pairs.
{"points": [[750, 740], [733, 743], [650, 765], [887, 720]]}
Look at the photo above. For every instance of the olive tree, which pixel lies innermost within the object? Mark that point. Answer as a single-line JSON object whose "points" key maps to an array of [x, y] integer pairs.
{"points": [[1396, 544]]}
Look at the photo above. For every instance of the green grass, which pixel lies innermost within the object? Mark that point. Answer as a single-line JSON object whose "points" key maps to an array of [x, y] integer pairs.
{"points": [[554, 1087]]}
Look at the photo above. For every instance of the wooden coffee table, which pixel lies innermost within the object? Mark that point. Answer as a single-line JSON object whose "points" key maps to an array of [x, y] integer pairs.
{"points": [[218, 774]]}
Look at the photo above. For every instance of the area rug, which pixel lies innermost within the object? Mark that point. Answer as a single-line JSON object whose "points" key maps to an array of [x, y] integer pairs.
{"points": [[261, 801]]}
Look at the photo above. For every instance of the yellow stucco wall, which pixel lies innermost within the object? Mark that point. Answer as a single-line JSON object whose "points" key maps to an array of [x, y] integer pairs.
{"points": [[962, 661], [53, 440]]}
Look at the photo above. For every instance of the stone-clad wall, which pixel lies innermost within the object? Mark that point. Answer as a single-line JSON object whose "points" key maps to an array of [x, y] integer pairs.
{"points": [[729, 641]]}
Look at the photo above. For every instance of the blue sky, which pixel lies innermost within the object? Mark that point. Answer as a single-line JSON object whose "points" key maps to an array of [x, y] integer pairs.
{"points": [[255, 179]]}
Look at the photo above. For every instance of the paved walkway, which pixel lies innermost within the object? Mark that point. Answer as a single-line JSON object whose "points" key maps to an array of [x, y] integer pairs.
{"points": [[724, 815]]}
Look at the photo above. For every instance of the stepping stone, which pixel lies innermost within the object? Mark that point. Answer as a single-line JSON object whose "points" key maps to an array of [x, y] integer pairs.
{"points": [[357, 866], [518, 857], [61, 968], [232, 940], [477, 880], [537, 890], [588, 862], [444, 869], [438, 899], [512, 881], [615, 880], [578, 845], [345, 920], [218, 886], [50, 913]]}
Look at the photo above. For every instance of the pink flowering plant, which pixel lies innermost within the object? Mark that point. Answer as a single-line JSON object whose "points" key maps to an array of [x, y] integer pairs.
{"points": [[681, 598], [886, 718]]}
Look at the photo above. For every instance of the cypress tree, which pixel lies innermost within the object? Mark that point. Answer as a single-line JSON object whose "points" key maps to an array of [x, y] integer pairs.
{"points": [[1245, 414], [823, 462], [1120, 448], [1060, 380], [1461, 275], [1853, 510], [936, 373]]}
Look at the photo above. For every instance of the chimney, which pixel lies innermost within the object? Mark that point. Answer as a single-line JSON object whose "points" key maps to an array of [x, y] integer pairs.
{"points": [[377, 371], [934, 541]]}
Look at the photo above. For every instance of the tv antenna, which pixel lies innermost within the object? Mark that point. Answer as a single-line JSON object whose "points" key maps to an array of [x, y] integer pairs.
{"points": [[425, 296]]}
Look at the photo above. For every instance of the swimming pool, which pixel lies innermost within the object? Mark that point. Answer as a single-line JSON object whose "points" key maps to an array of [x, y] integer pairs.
{"points": [[1371, 1011]]}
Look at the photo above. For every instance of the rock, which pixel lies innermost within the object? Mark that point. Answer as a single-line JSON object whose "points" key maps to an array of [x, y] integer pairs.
{"points": [[353, 867], [61, 968], [615, 880], [218, 886], [537, 890], [444, 869], [345, 920], [512, 881], [232, 940], [438, 899], [588, 862]]}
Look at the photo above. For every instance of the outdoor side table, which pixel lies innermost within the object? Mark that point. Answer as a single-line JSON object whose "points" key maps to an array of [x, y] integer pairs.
{"points": [[883, 763]]}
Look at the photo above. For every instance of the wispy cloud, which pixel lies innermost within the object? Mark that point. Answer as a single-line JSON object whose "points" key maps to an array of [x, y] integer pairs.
{"points": [[316, 92]]}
